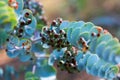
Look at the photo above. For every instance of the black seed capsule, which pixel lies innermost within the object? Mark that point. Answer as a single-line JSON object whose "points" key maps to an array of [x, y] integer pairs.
{"points": [[20, 30], [75, 68], [68, 53], [60, 20], [48, 43], [48, 32], [31, 59], [22, 23], [51, 41], [54, 23], [60, 31], [29, 21], [43, 38], [92, 34], [69, 65], [66, 64], [73, 61], [83, 43], [81, 39], [98, 34], [60, 40], [27, 14], [56, 35], [19, 36], [62, 45], [65, 35], [53, 31], [7, 39], [67, 42], [44, 29], [87, 47]]}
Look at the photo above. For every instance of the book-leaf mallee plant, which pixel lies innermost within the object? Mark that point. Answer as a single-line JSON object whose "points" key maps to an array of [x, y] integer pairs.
{"points": [[74, 46]]}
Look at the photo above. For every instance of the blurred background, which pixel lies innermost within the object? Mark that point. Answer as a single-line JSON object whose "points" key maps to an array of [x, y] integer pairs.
{"points": [[104, 13]]}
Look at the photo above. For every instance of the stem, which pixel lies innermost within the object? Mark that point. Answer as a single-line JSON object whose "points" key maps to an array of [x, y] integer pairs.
{"points": [[36, 40], [33, 69], [42, 56]]}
